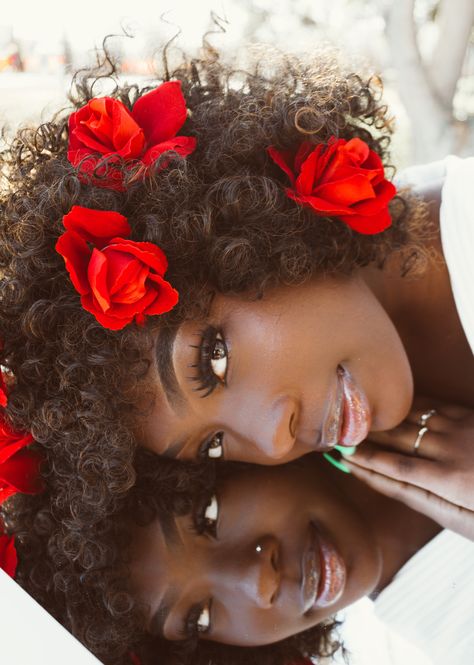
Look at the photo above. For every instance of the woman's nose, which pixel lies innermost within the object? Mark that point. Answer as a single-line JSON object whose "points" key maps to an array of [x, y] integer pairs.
{"points": [[255, 572], [274, 430]]}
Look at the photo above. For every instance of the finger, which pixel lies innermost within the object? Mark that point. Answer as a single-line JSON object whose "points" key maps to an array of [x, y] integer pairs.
{"points": [[443, 512], [403, 439], [404, 468], [448, 410]]}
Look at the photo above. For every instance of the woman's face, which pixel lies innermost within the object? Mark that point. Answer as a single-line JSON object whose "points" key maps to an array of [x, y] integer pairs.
{"points": [[266, 381], [274, 552]]}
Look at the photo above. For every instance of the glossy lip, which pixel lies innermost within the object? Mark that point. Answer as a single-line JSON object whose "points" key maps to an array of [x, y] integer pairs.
{"points": [[310, 569], [323, 571], [348, 417], [332, 581], [356, 418]]}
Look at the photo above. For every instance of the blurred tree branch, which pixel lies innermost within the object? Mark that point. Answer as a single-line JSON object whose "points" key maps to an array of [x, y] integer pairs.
{"points": [[427, 89]]}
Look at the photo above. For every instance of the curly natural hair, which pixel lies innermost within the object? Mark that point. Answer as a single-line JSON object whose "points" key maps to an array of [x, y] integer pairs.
{"points": [[225, 224]]}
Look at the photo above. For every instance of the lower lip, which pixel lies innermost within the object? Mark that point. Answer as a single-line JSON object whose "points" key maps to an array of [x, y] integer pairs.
{"points": [[356, 412], [333, 574]]}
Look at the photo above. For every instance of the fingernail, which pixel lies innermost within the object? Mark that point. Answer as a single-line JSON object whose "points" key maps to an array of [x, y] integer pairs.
{"points": [[337, 463], [347, 451]]}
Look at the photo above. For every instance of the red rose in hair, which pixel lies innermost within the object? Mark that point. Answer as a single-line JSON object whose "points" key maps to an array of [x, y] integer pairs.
{"points": [[105, 128], [343, 179], [19, 468], [3, 391], [119, 280], [8, 556]]}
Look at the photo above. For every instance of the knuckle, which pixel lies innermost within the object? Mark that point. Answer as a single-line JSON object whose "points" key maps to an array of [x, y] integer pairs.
{"points": [[405, 464]]}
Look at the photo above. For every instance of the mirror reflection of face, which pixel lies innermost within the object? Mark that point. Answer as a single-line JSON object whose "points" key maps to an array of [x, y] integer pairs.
{"points": [[267, 381], [272, 552]]}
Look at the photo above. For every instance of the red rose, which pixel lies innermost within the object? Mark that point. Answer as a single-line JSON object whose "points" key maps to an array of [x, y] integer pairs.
{"points": [[104, 128], [3, 391], [119, 280], [19, 468], [8, 556], [343, 179]]}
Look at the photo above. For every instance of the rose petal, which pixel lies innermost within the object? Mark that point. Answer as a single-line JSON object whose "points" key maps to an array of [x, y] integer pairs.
{"points": [[148, 253], [181, 145], [6, 493], [369, 225], [166, 297], [21, 472], [283, 160], [8, 555], [384, 193], [306, 179], [75, 252], [319, 205], [96, 226], [346, 192], [127, 276], [128, 137], [3, 391], [11, 441], [303, 152], [161, 113], [97, 276], [120, 314], [357, 150]]}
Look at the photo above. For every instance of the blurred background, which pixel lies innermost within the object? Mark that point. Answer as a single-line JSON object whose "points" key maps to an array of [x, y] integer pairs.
{"points": [[423, 49]]}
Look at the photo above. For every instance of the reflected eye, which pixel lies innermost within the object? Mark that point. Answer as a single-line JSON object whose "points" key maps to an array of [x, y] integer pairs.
{"points": [[204, 619], [206, 516], [218, 358], [213, 448], [212, 511]]}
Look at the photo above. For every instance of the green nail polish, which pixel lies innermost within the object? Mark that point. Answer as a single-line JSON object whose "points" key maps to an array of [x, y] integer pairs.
{"points": [[347, 451], [337, 463]]}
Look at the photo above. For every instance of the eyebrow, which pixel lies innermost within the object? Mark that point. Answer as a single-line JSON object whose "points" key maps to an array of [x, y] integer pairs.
{"points": [[158, 620], [164, 362]]}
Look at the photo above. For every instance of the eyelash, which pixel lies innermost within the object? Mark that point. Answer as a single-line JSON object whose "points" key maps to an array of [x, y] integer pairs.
{"points": [[190, 629], [206, 378], [200, 525]]}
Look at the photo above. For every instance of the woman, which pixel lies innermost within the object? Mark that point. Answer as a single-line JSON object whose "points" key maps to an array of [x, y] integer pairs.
{"points": [[271, 552], [199, 188]]}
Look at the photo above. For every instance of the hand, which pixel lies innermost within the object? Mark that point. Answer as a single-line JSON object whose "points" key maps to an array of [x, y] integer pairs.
{"points": [[438, 478]]}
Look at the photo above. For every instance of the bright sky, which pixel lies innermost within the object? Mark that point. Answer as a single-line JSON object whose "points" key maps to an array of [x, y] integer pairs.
{"points": [[87, 21]]}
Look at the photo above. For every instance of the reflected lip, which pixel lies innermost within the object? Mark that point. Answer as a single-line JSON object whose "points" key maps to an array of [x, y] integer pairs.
{"points": [[323, 571], [348, 418]]}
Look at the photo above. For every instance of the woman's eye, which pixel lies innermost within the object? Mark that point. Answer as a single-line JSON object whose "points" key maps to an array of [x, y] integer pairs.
{"points": [[211, 512], [204, 620], [212, 363], [219, 357], [214, 447], [205, 517]]}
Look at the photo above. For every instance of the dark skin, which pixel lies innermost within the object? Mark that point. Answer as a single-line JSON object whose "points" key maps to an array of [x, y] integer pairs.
{"points": [[245, 575], [277, 377], [438, 481]]}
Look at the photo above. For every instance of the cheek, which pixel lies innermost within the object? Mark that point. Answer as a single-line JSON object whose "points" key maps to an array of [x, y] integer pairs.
{"points": [[244, 626]]}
